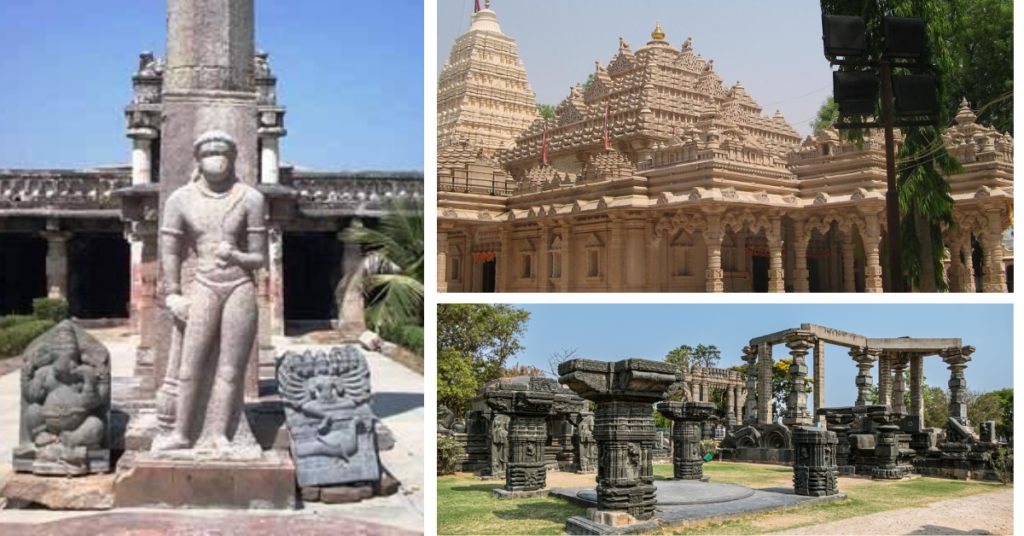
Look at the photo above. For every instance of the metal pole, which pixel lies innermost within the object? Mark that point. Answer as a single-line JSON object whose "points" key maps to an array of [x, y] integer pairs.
{"points": [[892, 200]]}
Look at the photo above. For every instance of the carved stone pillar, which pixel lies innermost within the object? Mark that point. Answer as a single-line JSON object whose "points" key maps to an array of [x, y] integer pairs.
{"points": [[819, 378], [616, 255], [567, 253], [849, 271], [442, 261], [142, 154], [814, 464], [142, 238], [967, 274], [750, 357], [801, 239], [57, 263], [713, 237], [527, 434], [624, 392], [885, 380], [798, 343], [634, 261], [776, 273], [864, 358], [872, 268], [887, 449], [654, 266], [955, 265], [351, 307], [270, 157], [544, 259], [689, 418], [275, 267], [917, 386], [957, 357], [730, 405], [899, 385], [839, 421], [764, 384]]}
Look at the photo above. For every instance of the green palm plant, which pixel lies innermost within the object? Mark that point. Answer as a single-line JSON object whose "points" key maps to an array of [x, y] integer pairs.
{"points": [[390, 275]]}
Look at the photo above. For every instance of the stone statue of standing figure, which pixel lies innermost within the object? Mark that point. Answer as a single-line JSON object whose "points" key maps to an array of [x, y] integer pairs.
{"points": [[212, 229]]}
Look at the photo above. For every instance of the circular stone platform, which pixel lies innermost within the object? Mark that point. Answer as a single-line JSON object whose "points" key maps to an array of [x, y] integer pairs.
{"points": [[687, 492]]}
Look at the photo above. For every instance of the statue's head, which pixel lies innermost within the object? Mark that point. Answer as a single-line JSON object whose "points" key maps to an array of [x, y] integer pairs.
{"points": [[215, 153]]}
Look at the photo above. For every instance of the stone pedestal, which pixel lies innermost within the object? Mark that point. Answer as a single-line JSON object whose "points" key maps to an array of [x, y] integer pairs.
{"points": [[814, 462], [145, 481], [886, 448], [687, 462], [624, 392]]}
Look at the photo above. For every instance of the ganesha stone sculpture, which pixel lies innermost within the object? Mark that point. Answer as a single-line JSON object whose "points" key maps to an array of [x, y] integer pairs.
{"points": [[213, 230], [65, 404], [327, 407]]}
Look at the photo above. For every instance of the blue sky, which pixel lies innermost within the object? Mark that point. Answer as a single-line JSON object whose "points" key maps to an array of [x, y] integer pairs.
{"points": [[773, 48], [349, 73], [613, 332]]}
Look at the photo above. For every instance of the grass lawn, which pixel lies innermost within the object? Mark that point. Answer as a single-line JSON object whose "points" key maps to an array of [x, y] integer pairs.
{"points": [[466, 505]]}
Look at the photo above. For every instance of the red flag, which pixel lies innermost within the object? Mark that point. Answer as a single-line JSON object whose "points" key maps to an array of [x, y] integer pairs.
{"points": [[477, 7], [544, 149], [607, 145]]}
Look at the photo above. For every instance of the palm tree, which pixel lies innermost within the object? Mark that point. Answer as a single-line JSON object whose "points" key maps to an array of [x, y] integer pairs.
{"points": [[389, 277]]}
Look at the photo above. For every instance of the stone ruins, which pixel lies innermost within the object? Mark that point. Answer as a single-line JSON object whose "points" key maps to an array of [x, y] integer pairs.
{"points": [[659, 178]]}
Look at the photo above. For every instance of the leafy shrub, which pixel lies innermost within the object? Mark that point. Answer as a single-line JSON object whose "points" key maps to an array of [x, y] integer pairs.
{"points": [[407, 336], [15, 339], [449, 455], [55, 309], [708, 447], [1002, 463], [10, 321]]}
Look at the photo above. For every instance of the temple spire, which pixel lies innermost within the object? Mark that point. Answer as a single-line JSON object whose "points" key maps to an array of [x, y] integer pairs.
{"points": [[657, 33]]}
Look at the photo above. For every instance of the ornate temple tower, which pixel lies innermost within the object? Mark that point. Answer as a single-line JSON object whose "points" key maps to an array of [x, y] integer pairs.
{"points": [[483, 95]]}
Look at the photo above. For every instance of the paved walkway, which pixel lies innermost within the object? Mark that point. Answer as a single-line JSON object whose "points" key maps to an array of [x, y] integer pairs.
{"points": [[398, 401], [988, 513]]}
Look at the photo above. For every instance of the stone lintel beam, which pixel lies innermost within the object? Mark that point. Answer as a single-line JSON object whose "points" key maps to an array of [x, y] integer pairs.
{"points": [[913, 345], [834, 336], [638, 380]]}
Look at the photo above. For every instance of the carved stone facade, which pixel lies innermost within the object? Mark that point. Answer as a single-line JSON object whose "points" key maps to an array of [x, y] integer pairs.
{"points": [[696, 190]]}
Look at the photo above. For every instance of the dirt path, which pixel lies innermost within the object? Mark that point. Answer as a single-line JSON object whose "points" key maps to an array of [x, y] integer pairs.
{"points": [[988, 513]]}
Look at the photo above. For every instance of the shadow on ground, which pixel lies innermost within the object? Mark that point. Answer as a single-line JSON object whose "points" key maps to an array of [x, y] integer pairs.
{"points": [[387, 404]]}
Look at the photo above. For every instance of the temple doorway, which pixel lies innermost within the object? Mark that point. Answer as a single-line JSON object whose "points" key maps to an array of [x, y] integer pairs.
{"points": [[489, 274], [759, 272], [312, 271], [99, 275], [22, 272]]}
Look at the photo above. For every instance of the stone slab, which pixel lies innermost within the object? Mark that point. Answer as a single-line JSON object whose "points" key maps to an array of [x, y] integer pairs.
{"points": [[760, 501], [923, 345], [704, 478], [144, 481], [505, 495], [679, 493], [835, 336], [582, 525], [93, 492]]}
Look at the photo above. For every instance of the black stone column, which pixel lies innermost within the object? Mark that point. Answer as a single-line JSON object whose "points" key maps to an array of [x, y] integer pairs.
{"points": [[886, 447], [814, 462], [839, 420], [527, 410], [624, 392], [689, 418]]}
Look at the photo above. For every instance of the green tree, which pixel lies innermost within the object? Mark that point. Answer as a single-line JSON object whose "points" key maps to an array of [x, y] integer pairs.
{"points": [[686, 357], [1005, 426], [782, 383], [981, 406], [827, 115], [391, 273], [522, 370], [589, 82], [936, 407], [473, 343], [546, 111]]}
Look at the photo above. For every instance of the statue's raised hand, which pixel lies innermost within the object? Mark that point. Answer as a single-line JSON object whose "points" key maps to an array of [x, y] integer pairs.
{"points": [[179, 306], [226, 255]]}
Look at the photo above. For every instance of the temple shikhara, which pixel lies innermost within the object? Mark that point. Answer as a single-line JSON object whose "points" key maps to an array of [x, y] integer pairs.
{"points": [[90, 236], [658, 177]]}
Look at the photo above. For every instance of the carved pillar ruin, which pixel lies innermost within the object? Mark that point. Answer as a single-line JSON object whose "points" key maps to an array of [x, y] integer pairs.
{"points": [[56, 263], [886, 452], [801, 238], [864, 358], [899, 385], [885, 380], [689, 418], [713, 237], [776, 274], [957, 357], [819, 378], [796, 405], [814, 465], [839, 421], [527, 411], [442, 261], [872, 268], [624, 392], [849, 271], [917, 386], [764, 383], [750, 357], [730, 405]]}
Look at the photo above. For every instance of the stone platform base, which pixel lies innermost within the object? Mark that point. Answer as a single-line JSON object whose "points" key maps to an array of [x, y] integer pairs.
{"points": [[704, 478], [351, 493], [95, 492], [583, 525], [145, 481], [504, 495]]}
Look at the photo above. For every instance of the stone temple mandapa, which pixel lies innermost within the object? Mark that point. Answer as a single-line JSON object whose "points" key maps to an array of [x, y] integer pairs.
{"points": [[657, 177]]}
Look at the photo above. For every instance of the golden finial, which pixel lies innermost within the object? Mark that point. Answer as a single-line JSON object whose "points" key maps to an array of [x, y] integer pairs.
{"points": [[657, 33]]}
